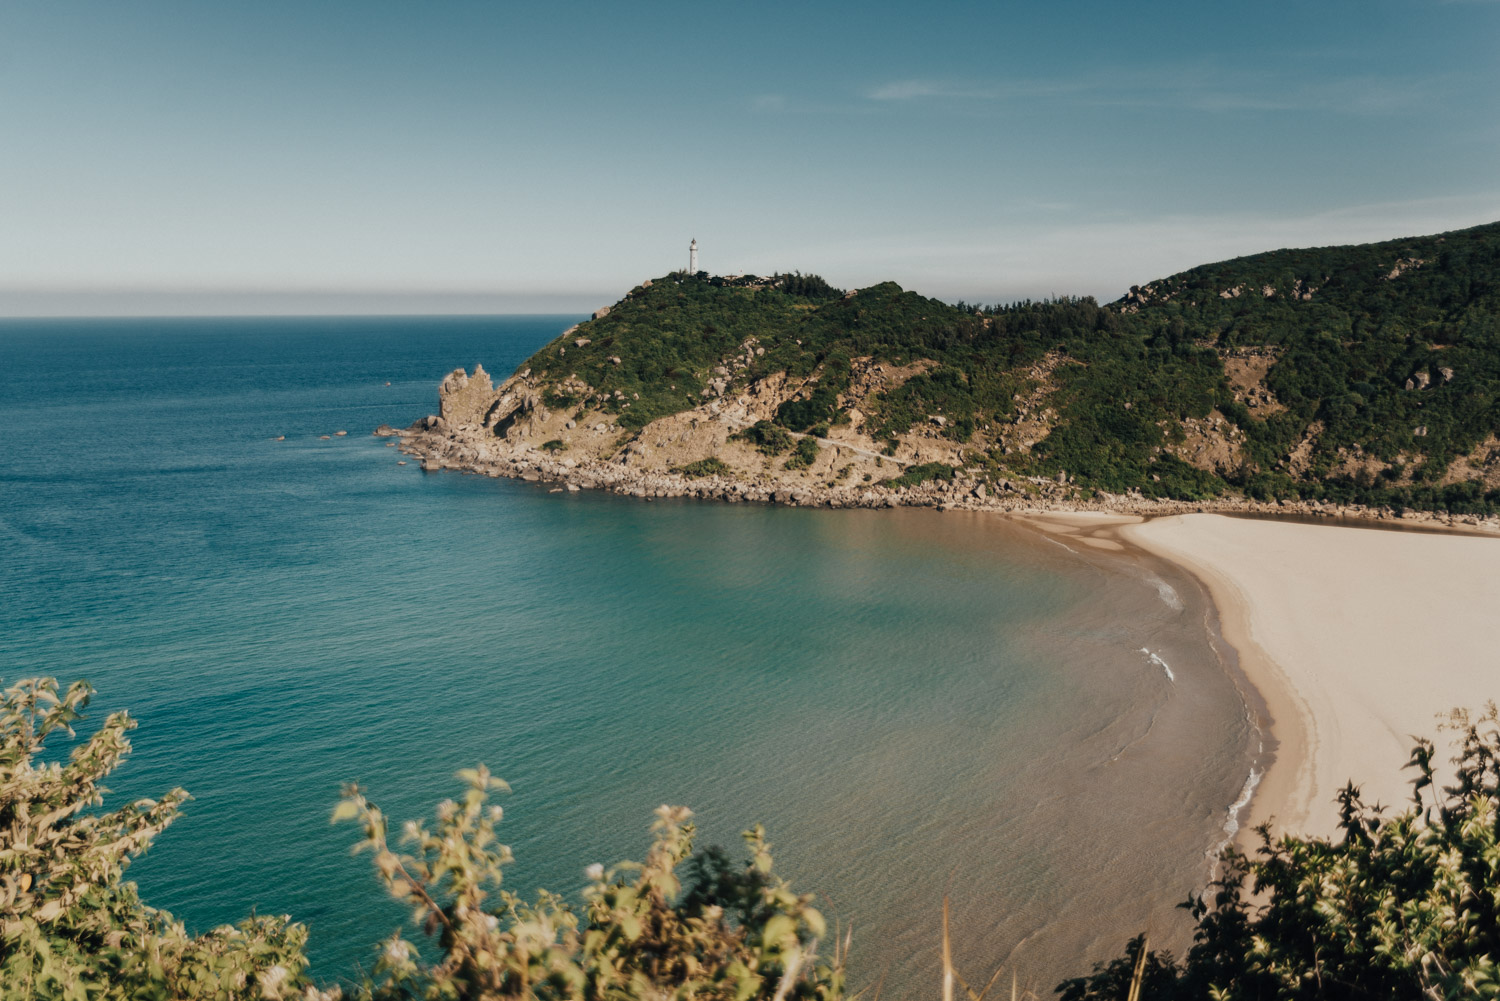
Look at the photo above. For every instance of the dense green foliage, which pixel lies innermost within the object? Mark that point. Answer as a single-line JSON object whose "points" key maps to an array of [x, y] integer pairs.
{"points": [[712, 466], [1406, 906], [1345, 328], [805, 454], [923, 473], [769, 438]]}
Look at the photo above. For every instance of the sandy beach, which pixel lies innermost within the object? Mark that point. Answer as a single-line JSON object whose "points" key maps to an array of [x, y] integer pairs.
{"points": [[1356, 638]]}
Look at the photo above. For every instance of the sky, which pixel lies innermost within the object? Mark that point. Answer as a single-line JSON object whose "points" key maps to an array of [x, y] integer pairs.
{"points": [[472, 157]]}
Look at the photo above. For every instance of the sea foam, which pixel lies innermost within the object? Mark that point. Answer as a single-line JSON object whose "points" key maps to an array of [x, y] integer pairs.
{"points": [[1156, 659]]}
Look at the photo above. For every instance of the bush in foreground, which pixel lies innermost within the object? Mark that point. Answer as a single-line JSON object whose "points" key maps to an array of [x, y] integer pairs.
{"points": [[1406, 906], [1396, 907], [70, 928]]}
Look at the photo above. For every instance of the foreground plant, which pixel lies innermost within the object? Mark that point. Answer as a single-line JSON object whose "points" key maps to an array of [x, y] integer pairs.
{"points": [[69, 927], [732, 932], [1396, 907]]}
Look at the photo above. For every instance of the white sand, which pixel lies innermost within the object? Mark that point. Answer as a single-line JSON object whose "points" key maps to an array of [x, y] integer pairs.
{"points": [[1356, 638]]}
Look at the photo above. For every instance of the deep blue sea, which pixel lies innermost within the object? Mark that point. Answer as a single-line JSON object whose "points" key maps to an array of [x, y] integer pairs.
{"points": [[914, 703]]}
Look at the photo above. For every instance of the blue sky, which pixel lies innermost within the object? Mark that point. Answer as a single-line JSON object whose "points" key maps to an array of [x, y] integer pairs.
{"points": [[471, 157]]}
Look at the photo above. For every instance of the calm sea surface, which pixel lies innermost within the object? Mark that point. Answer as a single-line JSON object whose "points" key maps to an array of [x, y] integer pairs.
{"points": [[913, 703]]}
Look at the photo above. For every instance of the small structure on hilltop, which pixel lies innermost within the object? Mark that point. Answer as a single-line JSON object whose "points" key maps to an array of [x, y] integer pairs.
{"points": [[693, 257]]}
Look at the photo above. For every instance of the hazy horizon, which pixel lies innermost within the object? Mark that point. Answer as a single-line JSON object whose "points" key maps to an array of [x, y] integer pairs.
{"points": [[173, 158]]}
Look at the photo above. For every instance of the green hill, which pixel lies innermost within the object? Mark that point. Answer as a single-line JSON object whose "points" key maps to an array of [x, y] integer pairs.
{"points": [[1364, 374]]}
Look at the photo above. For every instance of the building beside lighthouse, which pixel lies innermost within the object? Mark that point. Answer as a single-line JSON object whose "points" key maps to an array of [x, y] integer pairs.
{"points": [[693, 257]]}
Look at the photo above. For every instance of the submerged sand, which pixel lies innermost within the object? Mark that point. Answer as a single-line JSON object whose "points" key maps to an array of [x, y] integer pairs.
{"points": [[1357, 639]]}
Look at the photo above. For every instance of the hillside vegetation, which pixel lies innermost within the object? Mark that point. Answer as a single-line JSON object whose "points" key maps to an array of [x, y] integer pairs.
{"points": [[1366, 374]]}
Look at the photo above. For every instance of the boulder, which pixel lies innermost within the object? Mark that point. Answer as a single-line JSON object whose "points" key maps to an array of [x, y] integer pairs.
{"points": [[601, 312]]}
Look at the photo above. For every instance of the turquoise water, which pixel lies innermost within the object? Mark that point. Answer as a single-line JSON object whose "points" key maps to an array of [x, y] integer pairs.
{"points": [[913, 703]]}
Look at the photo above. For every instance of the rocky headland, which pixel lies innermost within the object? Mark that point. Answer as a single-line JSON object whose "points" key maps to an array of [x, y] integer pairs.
{"points": [[508, 430]]}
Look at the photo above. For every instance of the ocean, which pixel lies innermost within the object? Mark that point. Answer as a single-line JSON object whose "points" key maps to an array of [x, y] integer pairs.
{"points": [[915, 704]]}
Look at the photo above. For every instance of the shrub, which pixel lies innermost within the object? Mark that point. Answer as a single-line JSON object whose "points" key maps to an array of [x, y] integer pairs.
{"points": [[733, 932], [915, 475], [805, 455], [770, 439], [1402, 906], [680, 925], [69, 927], [712, 466], [555, 445]]}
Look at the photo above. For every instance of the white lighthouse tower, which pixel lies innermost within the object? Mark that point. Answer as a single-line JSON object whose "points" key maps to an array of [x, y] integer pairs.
{"points": [[693, 257]]}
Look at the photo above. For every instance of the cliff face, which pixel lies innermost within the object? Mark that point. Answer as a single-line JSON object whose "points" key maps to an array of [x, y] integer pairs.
{"points": [[512, 420]]}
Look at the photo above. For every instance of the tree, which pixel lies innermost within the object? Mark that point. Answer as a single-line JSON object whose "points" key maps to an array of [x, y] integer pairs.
{"points": [[69, 927]]}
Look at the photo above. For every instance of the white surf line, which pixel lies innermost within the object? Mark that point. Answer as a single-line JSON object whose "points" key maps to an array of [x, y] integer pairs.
{"points": [[1056, 543], [1232, 822], [1156, 659]]}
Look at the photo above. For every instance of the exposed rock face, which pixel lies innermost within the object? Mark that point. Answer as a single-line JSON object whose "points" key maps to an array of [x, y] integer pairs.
{"points": [[500, 431], [463, 399]]}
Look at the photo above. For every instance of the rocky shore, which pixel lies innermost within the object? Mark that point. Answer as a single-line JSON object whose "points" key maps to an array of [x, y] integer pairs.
{"points": [[440, 446]]}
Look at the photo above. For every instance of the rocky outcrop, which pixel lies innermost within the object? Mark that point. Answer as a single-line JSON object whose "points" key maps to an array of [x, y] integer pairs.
{"points": [[501, 431]]}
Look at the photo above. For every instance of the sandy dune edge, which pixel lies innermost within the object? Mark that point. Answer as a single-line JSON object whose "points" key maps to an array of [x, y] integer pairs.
{"points": [[1356, 638]]}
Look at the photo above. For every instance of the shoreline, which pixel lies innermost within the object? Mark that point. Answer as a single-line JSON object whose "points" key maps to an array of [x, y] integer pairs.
{"points": [[1251, 673], [439, 449], [1322, 675], [1357, 642]]}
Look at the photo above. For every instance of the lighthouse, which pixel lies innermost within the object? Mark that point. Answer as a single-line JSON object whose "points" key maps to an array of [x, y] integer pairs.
{"points": [[693, 257]]}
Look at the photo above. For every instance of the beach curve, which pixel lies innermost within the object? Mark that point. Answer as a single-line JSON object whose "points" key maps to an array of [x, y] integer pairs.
{"points": [[1357, 640]]}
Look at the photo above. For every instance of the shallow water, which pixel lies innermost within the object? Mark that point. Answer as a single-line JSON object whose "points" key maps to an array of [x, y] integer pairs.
{"points": [[913, 703]]}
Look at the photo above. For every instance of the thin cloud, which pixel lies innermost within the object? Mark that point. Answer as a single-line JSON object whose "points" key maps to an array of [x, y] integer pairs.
{"points": [[1193, 87], [914, 90]]}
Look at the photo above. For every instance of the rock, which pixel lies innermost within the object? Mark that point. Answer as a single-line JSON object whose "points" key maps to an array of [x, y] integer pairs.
{"points": [[431, 465], [614, 359], [1446, 373], [386, 431], [324, 437], [1422, 379], [340, 434], [582, 342], [401, 462], [573, 488], [571, 425], [601, 312], [1062, 476], [939, 421], [280, 437]]}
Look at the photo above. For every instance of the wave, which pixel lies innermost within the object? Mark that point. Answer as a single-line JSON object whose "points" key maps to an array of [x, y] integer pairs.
{"points": [[1166, 592], [1232, 822], [1156, 659]]}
